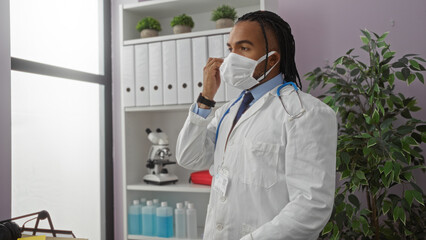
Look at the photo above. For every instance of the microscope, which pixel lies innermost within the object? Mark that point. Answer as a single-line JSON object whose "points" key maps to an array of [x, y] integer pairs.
{"points": [[158, 158]]}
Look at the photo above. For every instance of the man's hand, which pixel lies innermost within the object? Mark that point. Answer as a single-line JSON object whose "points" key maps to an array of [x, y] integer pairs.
{"points": [[211, 79]]}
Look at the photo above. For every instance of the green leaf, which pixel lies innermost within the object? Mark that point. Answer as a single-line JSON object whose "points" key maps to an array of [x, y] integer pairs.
{"points": [[331, 80], [367, 118], [365, 212], [405, 72], [398, 65], [327, 99], [399, 75], [327, 228], [381, 38], [371, 142], [386, 207], [354, 200], [409, 196], [419, 198], [386, 123], [404, 130], [349, 51], [355, 72], [360, 174], [375, 116], [364, 40], [411, 141], [366, 33], [406, 113], [402, 215], [345, 157], [345, 174], [341, 70], [388, 54], [420, 59], [365, 135], [404, 60], [391, 79], [366, 48], [397, 213], [420, 77], [415, 64], [421, 128], [388, 167], [413, 194], [410, 79]]}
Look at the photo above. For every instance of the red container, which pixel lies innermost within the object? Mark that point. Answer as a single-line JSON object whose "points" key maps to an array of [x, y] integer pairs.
{"points": [[201, 177]]}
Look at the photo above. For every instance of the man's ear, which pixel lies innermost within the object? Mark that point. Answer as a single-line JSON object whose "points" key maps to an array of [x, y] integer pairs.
{"points": [[273, 59]]}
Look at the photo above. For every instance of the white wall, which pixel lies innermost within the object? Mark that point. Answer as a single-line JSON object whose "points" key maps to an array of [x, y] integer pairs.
{"points": [[5, 108]]}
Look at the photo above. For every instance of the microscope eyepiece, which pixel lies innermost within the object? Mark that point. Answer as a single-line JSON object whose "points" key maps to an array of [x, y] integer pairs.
{"points": [[159, 130], [148, 131]]}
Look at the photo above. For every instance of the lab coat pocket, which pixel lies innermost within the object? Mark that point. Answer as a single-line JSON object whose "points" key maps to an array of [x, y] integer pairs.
{"points": [[260, 163]]}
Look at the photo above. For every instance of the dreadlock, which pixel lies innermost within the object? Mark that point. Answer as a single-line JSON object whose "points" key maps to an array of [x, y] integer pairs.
{"points": [[285, 39]]}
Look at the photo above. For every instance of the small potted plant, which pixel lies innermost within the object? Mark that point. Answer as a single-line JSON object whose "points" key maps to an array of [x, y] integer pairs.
{"points": [[224, 16], [148, 27], [182, 24]]}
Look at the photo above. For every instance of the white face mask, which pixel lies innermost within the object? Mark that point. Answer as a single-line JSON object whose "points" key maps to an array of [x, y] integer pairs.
{"points": [[237, 70]]}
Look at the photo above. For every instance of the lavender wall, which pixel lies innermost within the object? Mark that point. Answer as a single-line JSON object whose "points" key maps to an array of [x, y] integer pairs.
{"points": [[5, 108], [324, 30]]}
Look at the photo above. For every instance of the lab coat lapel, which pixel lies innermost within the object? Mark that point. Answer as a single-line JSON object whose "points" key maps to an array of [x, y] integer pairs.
{"points": [[252, 109]]}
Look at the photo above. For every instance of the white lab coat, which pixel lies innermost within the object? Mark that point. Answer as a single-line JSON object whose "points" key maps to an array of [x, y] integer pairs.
{"points": [[281, 172]]}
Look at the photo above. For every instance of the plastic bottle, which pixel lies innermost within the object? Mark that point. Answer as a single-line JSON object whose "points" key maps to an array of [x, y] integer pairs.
{"points": [[180, 221], [143, 202], [186, 205], [156, 204], [191, 222], [164, 221], [148, 219], [134, 218]]}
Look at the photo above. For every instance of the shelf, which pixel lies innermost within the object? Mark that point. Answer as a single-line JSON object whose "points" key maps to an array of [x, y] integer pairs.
{"points": [[165, 10], [177, 36], [179, 187], [200, 234], [176, 107]]}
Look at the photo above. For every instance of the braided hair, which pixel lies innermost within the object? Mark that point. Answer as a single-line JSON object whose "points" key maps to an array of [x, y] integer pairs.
{"points": [[282, 32]]}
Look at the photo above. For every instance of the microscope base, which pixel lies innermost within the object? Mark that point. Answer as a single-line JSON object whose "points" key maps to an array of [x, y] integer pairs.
{"points": [[161, 179]]}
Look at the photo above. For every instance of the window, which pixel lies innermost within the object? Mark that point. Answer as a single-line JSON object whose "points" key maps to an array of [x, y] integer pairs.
{"points": [[61, 105]]}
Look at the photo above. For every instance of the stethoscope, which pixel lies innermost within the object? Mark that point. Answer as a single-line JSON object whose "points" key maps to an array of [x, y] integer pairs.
{"points": [[292, 117]]}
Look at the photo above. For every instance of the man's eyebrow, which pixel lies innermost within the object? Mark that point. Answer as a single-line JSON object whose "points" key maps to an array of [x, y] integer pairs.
{"points": [[241, 42]]}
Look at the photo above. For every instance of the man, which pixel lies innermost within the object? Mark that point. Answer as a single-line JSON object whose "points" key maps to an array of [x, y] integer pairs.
{"points": [[272, 150]]}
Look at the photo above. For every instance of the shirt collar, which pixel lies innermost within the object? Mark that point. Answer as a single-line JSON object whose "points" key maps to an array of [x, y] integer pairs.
{"points": [[267, 86]]}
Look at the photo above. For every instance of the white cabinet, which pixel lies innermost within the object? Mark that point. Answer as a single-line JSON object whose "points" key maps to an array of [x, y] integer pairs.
{"points": [[146, 104]]}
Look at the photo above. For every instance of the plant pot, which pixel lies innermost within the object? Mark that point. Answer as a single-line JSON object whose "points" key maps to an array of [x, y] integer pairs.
{"points": [[224, 23], [181, 29], [146, 33]]}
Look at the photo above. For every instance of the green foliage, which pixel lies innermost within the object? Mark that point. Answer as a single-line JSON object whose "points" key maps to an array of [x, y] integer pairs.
{"points": [[224, 11], [182, 20], [148, 23], [378, 143]]}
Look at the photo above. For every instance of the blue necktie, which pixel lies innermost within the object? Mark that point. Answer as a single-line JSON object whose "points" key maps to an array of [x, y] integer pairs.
{"points": [[248, 97]]}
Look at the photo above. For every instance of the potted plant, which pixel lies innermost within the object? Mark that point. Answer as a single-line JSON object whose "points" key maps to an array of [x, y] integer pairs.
{"points": [[378, 144], [182, 24], [148, 27], [224, 16]]}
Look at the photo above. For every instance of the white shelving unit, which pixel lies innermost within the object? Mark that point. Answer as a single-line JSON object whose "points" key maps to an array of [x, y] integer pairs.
{"points": [[170, 118]]}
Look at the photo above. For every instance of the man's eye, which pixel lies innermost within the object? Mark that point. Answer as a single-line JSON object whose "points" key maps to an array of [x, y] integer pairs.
{"points": [[230, 49], [244, 49]]}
